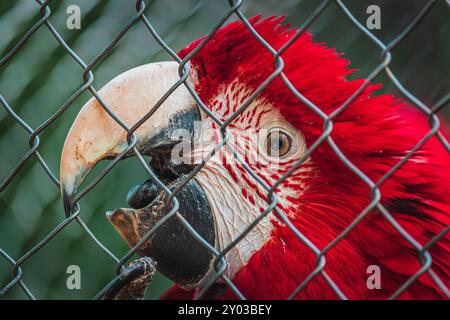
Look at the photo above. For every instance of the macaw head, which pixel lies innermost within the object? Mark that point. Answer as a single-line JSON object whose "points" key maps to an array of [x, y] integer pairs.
{"points": [[315, 196]]}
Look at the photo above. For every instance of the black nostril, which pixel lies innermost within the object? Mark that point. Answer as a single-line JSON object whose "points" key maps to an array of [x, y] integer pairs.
{"points": [[142, 194]]}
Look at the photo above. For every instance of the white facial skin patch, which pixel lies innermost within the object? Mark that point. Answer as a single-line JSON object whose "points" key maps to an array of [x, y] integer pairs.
{"points": [[235, 197]]}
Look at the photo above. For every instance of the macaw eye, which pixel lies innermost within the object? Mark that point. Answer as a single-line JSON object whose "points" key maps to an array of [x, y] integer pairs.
{"points": [[278, 143]]}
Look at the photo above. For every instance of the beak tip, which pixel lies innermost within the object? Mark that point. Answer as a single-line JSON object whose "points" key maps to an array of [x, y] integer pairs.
{"points": [[67, 201]]}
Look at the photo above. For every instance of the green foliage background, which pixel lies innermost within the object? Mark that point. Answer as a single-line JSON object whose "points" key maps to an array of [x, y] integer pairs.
{"points": [[41, 77]]}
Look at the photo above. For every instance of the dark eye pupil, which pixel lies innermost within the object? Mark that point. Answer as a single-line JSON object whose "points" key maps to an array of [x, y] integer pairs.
{"points": [[278, 144]]}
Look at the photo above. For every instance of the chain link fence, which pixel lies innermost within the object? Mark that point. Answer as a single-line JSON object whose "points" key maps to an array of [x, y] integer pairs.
{"points": [[385, 49]]}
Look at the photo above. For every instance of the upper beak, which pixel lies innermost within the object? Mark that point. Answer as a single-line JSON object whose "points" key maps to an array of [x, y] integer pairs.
{"points": [[95, 135]]}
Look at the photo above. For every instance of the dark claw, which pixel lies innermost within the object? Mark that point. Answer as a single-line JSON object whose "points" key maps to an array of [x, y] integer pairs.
{"points": [[132, 283]]}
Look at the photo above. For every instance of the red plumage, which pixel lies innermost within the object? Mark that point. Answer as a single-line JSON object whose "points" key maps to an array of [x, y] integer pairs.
{"points": [[374, 132]]}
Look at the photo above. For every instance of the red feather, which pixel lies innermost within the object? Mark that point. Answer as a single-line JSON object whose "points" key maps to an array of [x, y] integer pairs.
{"points": [[374, 132]]}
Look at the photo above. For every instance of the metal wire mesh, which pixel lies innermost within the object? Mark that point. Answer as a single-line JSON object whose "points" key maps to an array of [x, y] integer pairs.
{"points": [[220, 264]]}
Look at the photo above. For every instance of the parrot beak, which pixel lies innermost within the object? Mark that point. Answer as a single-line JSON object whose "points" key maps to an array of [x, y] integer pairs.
{"points": [[95, 135]]}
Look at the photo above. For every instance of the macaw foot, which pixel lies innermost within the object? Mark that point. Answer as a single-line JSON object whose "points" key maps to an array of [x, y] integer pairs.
{"points": [[132, 283]]}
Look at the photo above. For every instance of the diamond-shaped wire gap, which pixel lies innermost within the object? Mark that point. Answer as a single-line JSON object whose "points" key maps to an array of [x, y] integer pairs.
{"points": [[316, 12], [33, 147], [159, 39], [27, 23], [387, 48], [109, 167], [16, 280], [26, 37], [183, 72]]}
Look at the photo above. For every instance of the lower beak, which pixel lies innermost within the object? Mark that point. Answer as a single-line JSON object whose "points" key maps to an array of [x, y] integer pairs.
{"points": [[95, 135], [179, 254]]}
